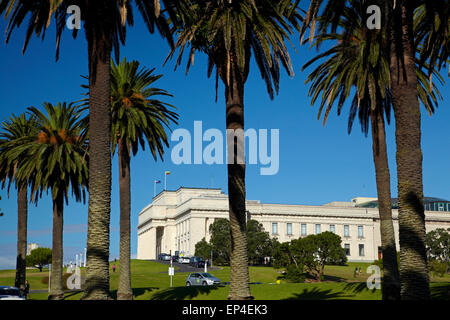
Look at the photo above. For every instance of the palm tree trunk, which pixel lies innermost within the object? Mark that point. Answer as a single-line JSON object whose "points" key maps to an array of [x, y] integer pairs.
{"points": [[413, 260], [97, 271], [56, 288], [391, 278], [124, 291], [239, 274], [22, 217]]}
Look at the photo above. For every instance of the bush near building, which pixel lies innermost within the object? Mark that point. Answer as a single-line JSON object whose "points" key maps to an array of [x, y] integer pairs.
{"points": [[39, 258], [259, 243], [309, 255]]}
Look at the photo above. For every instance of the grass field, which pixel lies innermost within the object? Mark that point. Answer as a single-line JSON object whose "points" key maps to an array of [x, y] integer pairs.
{"points": [[151, 282]]}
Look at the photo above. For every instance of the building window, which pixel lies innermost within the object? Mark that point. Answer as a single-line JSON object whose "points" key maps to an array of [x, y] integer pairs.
{"points": [[361, 250], [274, 228], [303, 229], [289, 229], [360, 232], [332, 228], [347, 249], [317, 228], [346, 231]]}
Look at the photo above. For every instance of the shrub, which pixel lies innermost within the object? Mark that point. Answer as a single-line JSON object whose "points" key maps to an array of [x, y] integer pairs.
{"points": [[294, 275], [438, 268]]}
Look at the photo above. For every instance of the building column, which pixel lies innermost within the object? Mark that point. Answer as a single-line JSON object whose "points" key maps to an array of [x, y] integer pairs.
{"points": [[152, 243]]}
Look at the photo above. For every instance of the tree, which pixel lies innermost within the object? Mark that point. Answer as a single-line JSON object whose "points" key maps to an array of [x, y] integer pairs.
{"points": [[413, 259], [137, 119], [357, 60], [203, 249], [15, 132], [57, 161], [282, 255], [329, 250], [260, 245], [39, 258], [438, 246], [310, 254], [105, 29], [220, 241], [401, 49], [229, 32], [432, 26]]}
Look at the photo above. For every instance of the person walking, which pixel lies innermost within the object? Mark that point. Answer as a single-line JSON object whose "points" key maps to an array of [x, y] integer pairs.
{"points": [[27, 289], [355, 272], [114, 267]]}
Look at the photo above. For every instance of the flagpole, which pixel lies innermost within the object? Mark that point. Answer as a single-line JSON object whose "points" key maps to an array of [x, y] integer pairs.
{"points": [[154, 188], [165, 181]]}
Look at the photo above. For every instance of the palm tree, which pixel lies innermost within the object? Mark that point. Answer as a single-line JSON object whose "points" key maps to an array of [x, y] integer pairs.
{"points": [[105, 29], [137, 117], [229, 32], [57, 160], [401, 47], [432, 25], [15, 132], [358, 61], [413, 258]]}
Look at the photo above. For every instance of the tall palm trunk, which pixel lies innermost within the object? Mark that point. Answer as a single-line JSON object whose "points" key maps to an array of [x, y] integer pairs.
{"points": [[56, 288], [124, 291], [239, 274], [413, 261], [391, 278], [22, 217], [97, 273]]}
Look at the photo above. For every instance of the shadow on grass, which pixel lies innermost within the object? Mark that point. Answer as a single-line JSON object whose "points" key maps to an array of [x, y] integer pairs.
{"points": [[136, 292], [183, 293], [317, 294], [72, 293], [440, 291], [310, 278], [358, 287]]}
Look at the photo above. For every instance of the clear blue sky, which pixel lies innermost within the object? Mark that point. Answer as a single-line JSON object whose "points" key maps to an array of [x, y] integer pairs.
{"points": [[317, 164]]}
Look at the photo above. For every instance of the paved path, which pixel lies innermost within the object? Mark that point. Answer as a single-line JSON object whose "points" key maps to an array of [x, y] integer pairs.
{"points": [[185, 267]]}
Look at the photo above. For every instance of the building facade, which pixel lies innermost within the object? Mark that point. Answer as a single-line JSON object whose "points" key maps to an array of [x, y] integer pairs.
{"points": [[177, 220], [31, 247]]}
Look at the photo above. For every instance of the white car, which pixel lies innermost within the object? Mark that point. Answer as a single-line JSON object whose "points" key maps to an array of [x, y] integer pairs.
{"points": [[184, 260], [10, 293]]}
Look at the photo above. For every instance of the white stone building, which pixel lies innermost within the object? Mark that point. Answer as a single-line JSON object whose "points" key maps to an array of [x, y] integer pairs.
{"points": [[31, 247], [177, 220]]}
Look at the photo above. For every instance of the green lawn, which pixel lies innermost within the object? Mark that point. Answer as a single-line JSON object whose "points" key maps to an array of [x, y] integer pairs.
{"points": [[150, 281]]}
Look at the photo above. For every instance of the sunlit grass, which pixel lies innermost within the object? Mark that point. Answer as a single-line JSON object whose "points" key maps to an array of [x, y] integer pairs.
{"points": [[150, 280]]}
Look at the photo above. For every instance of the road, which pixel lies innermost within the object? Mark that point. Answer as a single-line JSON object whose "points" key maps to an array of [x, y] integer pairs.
{"points": [[185, 267]]}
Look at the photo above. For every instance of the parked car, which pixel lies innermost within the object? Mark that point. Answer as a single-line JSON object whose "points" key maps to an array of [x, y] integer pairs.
{"points": [[185, 260], [175, 258], [10, 293], [197, 262], [160, 256], [166, 257], [201, 279]]}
